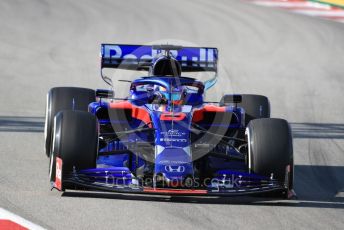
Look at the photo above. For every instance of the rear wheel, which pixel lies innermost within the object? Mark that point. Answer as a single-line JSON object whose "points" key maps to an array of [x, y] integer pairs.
{"points": [[270, 149], [64, 98], [255, 106], [75, 142]]}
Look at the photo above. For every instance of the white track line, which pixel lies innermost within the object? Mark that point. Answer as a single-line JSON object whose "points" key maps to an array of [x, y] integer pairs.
{"points": [[6, 215], [284, 4], [305, 7], [321, 13]]}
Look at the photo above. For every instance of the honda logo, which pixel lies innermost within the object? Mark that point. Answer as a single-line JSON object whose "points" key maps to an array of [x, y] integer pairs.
{"points": [[170, 168]]}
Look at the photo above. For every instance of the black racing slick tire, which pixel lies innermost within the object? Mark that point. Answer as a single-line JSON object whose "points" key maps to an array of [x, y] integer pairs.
{"points": [[64, 98], [255, 106], [270, 149], [75, 142]]}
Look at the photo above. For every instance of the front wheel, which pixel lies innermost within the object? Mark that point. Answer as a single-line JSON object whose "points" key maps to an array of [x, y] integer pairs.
{"points": [[75, 142], [270, 150]]}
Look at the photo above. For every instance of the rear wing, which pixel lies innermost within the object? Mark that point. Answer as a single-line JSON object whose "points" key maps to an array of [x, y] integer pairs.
{"points": [[141, 57]]}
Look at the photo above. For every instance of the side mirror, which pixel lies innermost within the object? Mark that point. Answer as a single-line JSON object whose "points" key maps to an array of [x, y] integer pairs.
{"points": [[230, 99], [105, 93]]}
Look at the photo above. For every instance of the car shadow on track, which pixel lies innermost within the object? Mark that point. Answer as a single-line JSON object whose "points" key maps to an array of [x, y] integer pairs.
{"points": [[318, 130], [21, 124], [316, 187]]}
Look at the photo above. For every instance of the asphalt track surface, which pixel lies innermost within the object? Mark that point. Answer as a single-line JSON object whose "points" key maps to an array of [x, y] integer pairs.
{"points": [[297, 61]]}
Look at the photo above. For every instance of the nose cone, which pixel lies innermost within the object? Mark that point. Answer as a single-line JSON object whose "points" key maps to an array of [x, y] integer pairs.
{"points": [[175, 164]]}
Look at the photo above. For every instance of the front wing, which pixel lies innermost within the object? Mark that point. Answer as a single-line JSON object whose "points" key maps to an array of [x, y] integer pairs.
{"points": [[120, 180]]}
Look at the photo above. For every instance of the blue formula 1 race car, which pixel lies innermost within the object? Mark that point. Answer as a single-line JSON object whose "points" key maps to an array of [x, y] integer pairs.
{"points": [[164, 138]]}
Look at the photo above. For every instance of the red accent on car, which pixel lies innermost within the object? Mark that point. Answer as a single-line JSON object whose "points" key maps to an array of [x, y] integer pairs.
{"points": [[169, 116], [8, 224], [58, 176], [121, 105], [178, 102], [198, 114], [136, 112], [174, 191]]}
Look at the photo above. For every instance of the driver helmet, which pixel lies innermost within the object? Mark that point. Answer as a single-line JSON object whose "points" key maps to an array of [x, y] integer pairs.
{"points": [[176, 96], [166, 66]]}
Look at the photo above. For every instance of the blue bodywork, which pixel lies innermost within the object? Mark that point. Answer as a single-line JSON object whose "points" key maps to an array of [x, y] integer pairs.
{"points": [[176, 143]]}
